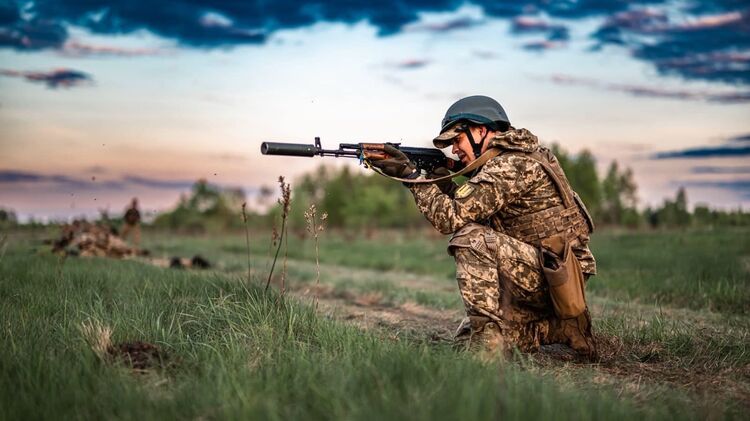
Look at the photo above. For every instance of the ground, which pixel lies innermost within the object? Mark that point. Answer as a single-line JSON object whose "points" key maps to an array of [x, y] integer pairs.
{"points": [[369, 335]]}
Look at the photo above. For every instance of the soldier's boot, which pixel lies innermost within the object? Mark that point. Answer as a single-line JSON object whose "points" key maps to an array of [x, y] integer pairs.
{"points": [[576, 333], [480, 334]]}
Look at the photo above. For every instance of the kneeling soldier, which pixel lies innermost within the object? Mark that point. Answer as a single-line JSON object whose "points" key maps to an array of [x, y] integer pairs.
{"points": [[520, 233]]}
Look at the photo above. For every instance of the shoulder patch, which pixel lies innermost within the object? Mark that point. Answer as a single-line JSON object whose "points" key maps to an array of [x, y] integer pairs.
{"points": [[465, 190]]}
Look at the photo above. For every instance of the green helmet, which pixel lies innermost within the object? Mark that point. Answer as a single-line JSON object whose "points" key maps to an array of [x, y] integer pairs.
{"points": [[478, 109]]}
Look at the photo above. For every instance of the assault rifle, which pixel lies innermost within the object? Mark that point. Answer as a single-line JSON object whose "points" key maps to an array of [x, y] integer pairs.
{"points": [[426, 159]]}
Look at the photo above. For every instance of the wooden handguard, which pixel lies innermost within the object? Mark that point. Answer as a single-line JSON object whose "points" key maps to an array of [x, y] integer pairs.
{"points": [[374, 155]]}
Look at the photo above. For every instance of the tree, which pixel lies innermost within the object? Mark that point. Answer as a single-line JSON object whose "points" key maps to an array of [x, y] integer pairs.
{"points": [[207, 208], [611, 203], [585, 181], [682, 215]]}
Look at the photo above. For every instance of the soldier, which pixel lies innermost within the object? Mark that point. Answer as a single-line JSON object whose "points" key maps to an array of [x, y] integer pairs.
{"points": [[132, 223], [515, 207]]}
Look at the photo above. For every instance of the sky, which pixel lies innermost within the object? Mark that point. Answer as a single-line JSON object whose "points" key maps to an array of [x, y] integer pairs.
{"points": [[103, 101]]}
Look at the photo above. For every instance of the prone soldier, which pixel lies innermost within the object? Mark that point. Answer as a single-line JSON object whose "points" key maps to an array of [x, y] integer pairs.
{"points": [[520, 233]]}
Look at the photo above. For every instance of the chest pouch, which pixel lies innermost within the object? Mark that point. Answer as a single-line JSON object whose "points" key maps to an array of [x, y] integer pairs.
{"points": [[564, 276]]}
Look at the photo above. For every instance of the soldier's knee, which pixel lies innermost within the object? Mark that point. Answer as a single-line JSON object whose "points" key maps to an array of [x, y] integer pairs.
{"points": [[479, 238]]}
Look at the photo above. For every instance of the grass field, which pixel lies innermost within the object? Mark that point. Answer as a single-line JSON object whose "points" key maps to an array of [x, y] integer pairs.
{"points": [[370, 340]]}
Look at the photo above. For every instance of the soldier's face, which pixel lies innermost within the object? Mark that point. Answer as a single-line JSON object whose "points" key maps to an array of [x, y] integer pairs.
{"points": [[462, 146]]}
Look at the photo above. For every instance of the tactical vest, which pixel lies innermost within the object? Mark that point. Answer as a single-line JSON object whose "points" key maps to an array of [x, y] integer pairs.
{"points": [[571, 218]]}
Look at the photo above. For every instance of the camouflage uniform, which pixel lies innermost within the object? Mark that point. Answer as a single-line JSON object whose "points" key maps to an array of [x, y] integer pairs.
{"points": [[497, 265], [132, 225], [91, 240]]}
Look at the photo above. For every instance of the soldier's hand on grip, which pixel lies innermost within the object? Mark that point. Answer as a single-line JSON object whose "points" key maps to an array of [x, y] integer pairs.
{"points": [[398, 165]]}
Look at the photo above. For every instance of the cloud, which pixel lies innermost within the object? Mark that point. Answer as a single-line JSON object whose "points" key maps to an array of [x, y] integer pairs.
{"points": [[58, 78], [9, 13], [33, 34], [459, 23], [157, 183], [543, 45], [738, 187], [740, 138], [64, 181], [411, 64], [534, 25], [696, 43], [77, 49], [720, 170], [732, 148], [695, 40], [15, 177], [223, 23], [485, 54], [706, 152], [655, 92]]}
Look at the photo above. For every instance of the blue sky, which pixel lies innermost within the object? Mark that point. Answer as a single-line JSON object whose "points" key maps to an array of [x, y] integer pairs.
{"points": [[102, 101]]}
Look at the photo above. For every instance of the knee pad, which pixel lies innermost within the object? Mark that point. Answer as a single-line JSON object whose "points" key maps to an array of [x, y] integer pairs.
{"points": [[480, 238]]}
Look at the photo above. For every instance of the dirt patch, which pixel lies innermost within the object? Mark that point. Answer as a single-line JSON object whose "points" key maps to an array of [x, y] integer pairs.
{"points": [[368, 311], [631, 366], [138, 355], [636, 368]]}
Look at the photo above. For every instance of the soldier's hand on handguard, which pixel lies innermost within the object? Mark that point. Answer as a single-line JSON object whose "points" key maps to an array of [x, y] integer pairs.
{"points": [[446, 186], [398, 165]]}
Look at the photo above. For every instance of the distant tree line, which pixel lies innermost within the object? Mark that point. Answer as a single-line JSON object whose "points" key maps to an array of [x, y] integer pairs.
{"points": [[7, 218], [207, 208], [613, 199], [353, 200], [366, 201]]}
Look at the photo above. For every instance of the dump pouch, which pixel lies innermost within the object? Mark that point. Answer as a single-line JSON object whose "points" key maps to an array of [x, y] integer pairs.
{"points": [[564, 276]]}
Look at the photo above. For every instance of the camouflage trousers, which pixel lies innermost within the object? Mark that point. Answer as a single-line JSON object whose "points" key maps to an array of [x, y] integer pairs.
{"points": [[500, 278]]}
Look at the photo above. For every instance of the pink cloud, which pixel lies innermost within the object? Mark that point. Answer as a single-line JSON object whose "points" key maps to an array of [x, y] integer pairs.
{"points": [[655, 92], [651, 20], [79, 49]]}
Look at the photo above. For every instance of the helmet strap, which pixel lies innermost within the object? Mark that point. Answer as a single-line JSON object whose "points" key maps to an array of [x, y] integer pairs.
{"points": [[476, 147]]}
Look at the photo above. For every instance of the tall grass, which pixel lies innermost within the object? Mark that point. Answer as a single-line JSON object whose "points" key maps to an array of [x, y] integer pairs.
{"points": [[238, 352], [697, 269]]}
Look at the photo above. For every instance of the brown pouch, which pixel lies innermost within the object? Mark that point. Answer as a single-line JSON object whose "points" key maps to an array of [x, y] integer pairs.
{"points": [[564, 277]]}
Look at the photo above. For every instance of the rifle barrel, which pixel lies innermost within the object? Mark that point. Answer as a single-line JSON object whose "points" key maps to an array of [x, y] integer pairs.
{"points": [[288, 149]]}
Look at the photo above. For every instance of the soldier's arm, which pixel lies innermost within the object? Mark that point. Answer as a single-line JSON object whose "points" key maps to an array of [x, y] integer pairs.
{"points": [[501, 181]]}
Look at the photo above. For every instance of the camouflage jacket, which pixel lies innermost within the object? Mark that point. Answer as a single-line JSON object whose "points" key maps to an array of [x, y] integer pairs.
{"points": [[507, 186]]}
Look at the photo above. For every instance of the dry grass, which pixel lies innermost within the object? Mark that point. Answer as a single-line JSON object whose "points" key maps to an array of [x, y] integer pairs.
{"points": [[98, 336], [286, 202], [315, 227]]}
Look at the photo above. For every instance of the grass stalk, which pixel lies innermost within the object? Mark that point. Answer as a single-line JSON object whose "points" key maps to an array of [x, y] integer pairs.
{"points": [[285, 202], [247, 240], [315, 228]]}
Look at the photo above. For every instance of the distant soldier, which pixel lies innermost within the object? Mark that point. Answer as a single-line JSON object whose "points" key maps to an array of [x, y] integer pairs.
{"points": [[132, 223], [520, 233]]}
